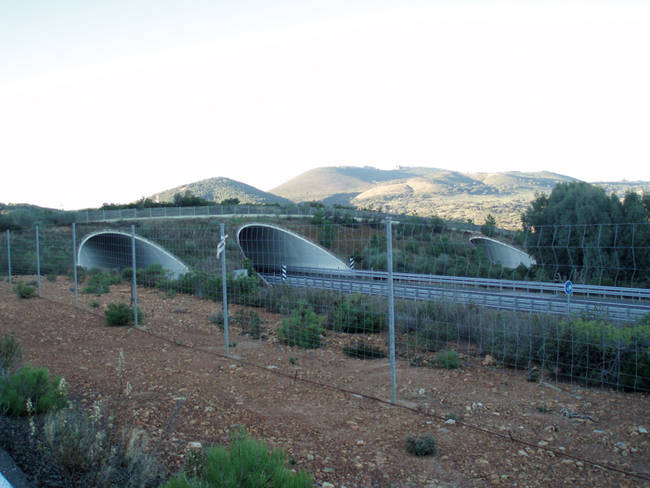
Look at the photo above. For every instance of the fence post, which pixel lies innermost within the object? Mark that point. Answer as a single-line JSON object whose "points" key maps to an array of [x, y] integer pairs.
{"points": [[38, 262], [224, 287], [135, 278], [9, 254], [391, 309], [74, 262]]}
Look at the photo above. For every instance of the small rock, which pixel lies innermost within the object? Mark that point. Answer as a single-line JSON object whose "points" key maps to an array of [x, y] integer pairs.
{"points": [[642, 429], [482, 461], [488, 361], [328, 470], [450, 421], [421, 391], [522, 453], [310, 457], [327, 484], [194, 446], [620, 445]]}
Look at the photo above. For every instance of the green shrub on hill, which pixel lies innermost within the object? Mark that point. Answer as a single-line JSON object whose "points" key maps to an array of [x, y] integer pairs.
{"points": [[35, 385]]}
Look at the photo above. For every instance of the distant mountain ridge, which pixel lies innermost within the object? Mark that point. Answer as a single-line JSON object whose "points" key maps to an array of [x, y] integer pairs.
{"points": [[448, 194], [219, 189]]}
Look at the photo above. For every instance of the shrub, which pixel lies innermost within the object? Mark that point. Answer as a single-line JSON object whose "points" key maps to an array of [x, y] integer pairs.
{"points": [[218, 319], [357, 314], [250, 322], [120, 314], [25, 291], [99, 282], [448, 360], [34, 384], [598, 352], [247, 463], [90, 451], [363, 350], [423, 445], [10, 354], [303, 329]]}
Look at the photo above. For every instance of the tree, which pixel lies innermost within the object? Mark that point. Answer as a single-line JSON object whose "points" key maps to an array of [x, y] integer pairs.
{"points": [[580, 232], [489, 228]]}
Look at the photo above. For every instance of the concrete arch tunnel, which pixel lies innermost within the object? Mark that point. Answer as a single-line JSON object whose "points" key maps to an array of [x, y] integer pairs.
{"points": [[112, 249], [501, 253], [269, 247]]}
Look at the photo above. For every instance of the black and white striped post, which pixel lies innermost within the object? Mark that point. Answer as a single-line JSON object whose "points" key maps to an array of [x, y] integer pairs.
{"points": [[351, 262], [284, 272]]}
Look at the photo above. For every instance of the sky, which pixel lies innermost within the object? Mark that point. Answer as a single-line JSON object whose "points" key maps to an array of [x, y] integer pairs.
{"points": [[110, 101]]}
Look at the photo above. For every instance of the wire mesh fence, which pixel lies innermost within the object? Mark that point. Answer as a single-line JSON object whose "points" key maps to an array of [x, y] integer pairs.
{"points": [[302, 285]]}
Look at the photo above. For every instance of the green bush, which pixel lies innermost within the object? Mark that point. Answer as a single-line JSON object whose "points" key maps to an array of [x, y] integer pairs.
{"points": [[99, 282], [448, 360], [598, 352], [120, 314], [423, 445], [250, 322], [357, 314], [363, 350], [303, 329], [34, 384], [247, 463], [25, 291], [10, 354]]}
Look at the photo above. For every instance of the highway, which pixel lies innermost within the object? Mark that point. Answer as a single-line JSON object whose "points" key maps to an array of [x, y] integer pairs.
{"points": [[620, 304]]}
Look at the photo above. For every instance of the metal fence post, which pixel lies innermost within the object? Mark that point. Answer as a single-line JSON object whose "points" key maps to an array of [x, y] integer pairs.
{"points": [[38, 262], [9, 254], [135, 278], [391, 309], [74, 263], [224, 288]]}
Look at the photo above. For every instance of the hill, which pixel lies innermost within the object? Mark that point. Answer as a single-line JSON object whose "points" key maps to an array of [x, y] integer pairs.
{"points": [[448, 194], [220, 189]]}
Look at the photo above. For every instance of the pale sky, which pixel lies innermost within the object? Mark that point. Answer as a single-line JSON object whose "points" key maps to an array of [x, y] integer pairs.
{"points": [[109, 101]]}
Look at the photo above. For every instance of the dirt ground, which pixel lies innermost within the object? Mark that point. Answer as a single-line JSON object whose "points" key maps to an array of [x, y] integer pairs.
{"points": [[493, 427]]}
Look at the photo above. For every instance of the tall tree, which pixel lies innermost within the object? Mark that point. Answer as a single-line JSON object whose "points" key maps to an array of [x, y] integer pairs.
{"points": [[580, 232]]}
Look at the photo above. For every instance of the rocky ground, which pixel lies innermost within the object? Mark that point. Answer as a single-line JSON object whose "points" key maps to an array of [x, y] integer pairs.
{"points": [[331, 413]]}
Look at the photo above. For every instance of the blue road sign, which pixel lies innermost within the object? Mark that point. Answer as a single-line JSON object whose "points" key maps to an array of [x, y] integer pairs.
{"points": [[568, 287]]}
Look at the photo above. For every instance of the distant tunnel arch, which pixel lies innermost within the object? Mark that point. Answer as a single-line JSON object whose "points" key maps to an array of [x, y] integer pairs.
{"points": [[112, 250], [269, 247], [501, 253]]}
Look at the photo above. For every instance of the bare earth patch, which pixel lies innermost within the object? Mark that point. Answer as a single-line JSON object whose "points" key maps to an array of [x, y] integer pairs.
{"points": [[504, 430]]}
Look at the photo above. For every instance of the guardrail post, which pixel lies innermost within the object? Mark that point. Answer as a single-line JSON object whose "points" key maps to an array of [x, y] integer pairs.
{"points": [[74, 263], [391, 309], [135, 277]]}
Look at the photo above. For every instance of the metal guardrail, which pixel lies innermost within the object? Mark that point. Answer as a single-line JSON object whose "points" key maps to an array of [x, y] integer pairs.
{"points": [[517, 302], [489, 283]]}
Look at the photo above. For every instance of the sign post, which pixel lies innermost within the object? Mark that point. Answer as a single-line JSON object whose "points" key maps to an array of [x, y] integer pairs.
{"points": [[568, 290]]}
